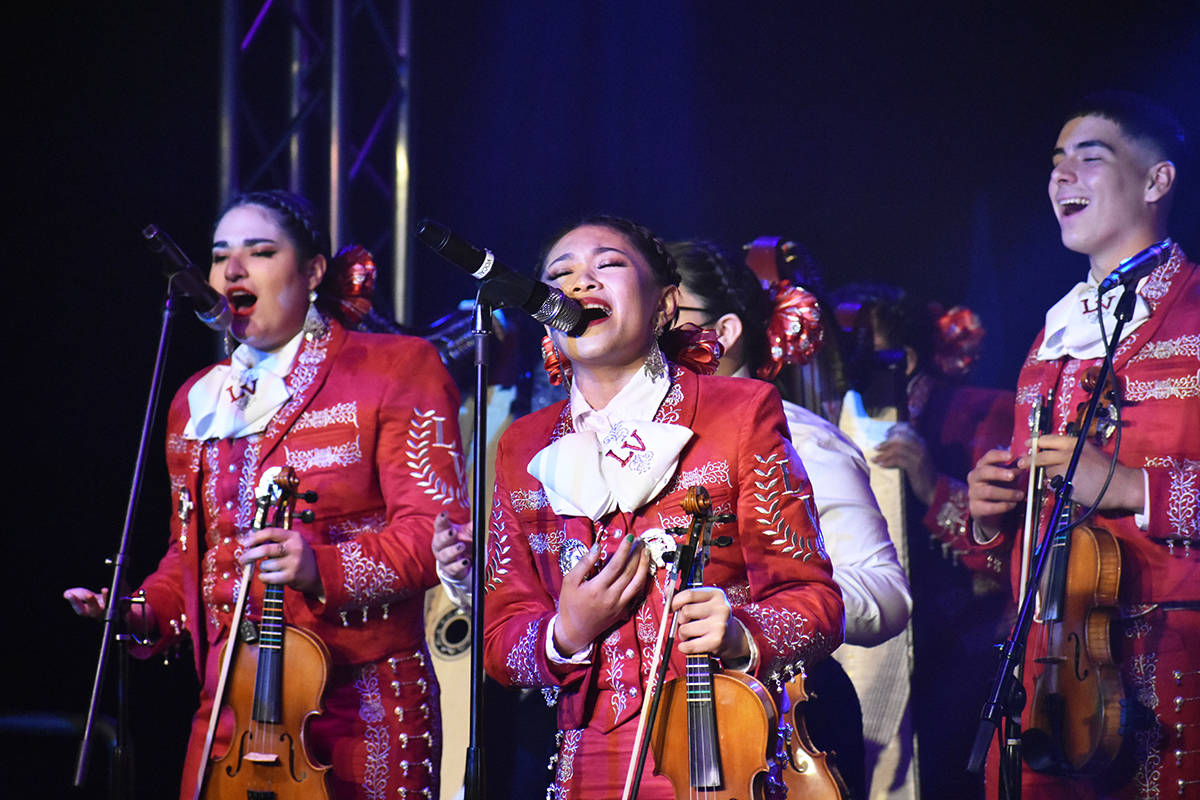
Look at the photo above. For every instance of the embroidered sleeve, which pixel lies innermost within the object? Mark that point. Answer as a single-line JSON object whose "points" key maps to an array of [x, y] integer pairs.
{"points": [[518, 606], [1174, 495], [373, 562], [948, 520], [795, 612]]}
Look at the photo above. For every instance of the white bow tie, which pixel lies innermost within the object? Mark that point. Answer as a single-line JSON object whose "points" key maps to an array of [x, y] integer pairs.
{"points": [[240, 398], [1073, 327], [590, 475]]}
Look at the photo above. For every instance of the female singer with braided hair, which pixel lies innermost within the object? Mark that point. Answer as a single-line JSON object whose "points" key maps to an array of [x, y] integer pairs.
{"points": [[585, 489], [343, 409]]}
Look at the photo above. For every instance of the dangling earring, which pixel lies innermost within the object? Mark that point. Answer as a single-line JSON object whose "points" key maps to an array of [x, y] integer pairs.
{"points": [[314, 324], [557, 366], [655, 366]]}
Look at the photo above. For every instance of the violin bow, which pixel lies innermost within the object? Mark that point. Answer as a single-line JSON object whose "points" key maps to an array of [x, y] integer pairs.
{"points": [[265, 492]]}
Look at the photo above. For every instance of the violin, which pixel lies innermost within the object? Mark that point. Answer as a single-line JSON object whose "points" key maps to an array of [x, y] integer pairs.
{"points": [[276, 684], [686, 741], [1075, 715], [806, 772]]}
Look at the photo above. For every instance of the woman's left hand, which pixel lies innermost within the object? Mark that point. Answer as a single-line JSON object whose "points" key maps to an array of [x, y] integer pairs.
{"points": [[452, 547], [284, 557], [707, 625]]}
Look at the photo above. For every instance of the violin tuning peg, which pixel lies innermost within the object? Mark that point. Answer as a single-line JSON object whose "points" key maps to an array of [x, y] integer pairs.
{"points": [[307, 515], [723, 541], [309, 497]]}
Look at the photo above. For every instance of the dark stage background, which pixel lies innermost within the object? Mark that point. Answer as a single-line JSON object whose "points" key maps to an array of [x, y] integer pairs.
{"points": [[895, 141]]}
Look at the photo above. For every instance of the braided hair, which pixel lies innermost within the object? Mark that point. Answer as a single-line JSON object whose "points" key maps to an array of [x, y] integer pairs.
{"points": [[649, 245], [726, 288], [297, 218]]}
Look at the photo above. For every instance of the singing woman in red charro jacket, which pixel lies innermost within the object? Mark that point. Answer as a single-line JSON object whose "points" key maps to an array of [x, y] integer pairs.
{"points": [[369, 423], [584, 489]]}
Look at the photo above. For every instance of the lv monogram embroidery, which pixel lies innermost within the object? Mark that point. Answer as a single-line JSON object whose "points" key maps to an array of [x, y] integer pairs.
{"points": [[1091, 307], [634, 444], [247, 388]]}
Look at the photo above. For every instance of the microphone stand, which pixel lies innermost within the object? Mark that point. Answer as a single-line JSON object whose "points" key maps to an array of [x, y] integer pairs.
{"points": [[122, 758], [474, 781], [1007, 696]]}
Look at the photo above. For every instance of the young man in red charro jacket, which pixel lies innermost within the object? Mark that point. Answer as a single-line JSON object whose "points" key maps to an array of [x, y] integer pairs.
{"points": [[1112, 184]]}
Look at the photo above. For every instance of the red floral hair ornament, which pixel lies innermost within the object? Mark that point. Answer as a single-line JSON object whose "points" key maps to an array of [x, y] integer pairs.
{"points": [[959, 340], [794, 334], [354, 270], [689, 345], [557, 366]]}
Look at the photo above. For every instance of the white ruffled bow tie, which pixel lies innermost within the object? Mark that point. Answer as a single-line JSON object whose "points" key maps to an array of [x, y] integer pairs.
{"points": [[617, 457], [240, 398], [591, 475], [1073, 327]]}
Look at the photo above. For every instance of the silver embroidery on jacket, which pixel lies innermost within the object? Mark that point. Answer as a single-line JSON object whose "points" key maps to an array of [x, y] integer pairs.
{"points": [[375, 737], [772, 485], [529, 499], [522, 659], [1187, 346], [1143, 669], [1182, 386], [337, 455], [1183, 497], [499, 549], [367, 581], [709, 474], [341, 413], [347, 529], [424, 436]]}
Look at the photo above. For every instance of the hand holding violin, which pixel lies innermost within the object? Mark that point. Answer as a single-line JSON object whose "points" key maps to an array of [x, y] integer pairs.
{"points": [[286, 558], [707, 625], [1126, 492]]}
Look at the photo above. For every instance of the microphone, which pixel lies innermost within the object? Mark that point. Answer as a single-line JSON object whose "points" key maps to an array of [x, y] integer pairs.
{"points": [[512, 289], [211, 307], [1136, 267]]}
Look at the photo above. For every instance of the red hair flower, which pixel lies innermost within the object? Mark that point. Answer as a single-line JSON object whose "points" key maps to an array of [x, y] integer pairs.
{"points": [[693, 347], [794, 334], [959, 341], [354, 267]]}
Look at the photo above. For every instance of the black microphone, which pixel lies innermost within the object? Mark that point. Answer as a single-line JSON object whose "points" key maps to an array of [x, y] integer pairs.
{"points": [[211, 307], [1136, 267], [511, 289]]}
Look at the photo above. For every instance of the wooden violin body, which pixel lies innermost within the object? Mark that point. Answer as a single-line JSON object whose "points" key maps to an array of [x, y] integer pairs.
{"points": [[1075, 714], [268, 757], [716, 733], [273, 683], [805, 771], [729, 766], [1074, 723]]}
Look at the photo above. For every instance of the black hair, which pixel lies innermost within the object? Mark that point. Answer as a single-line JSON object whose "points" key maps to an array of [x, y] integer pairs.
{"points": [[726, 288], [895, 315], [645, 241], [1139, 118], [296, 216]]}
